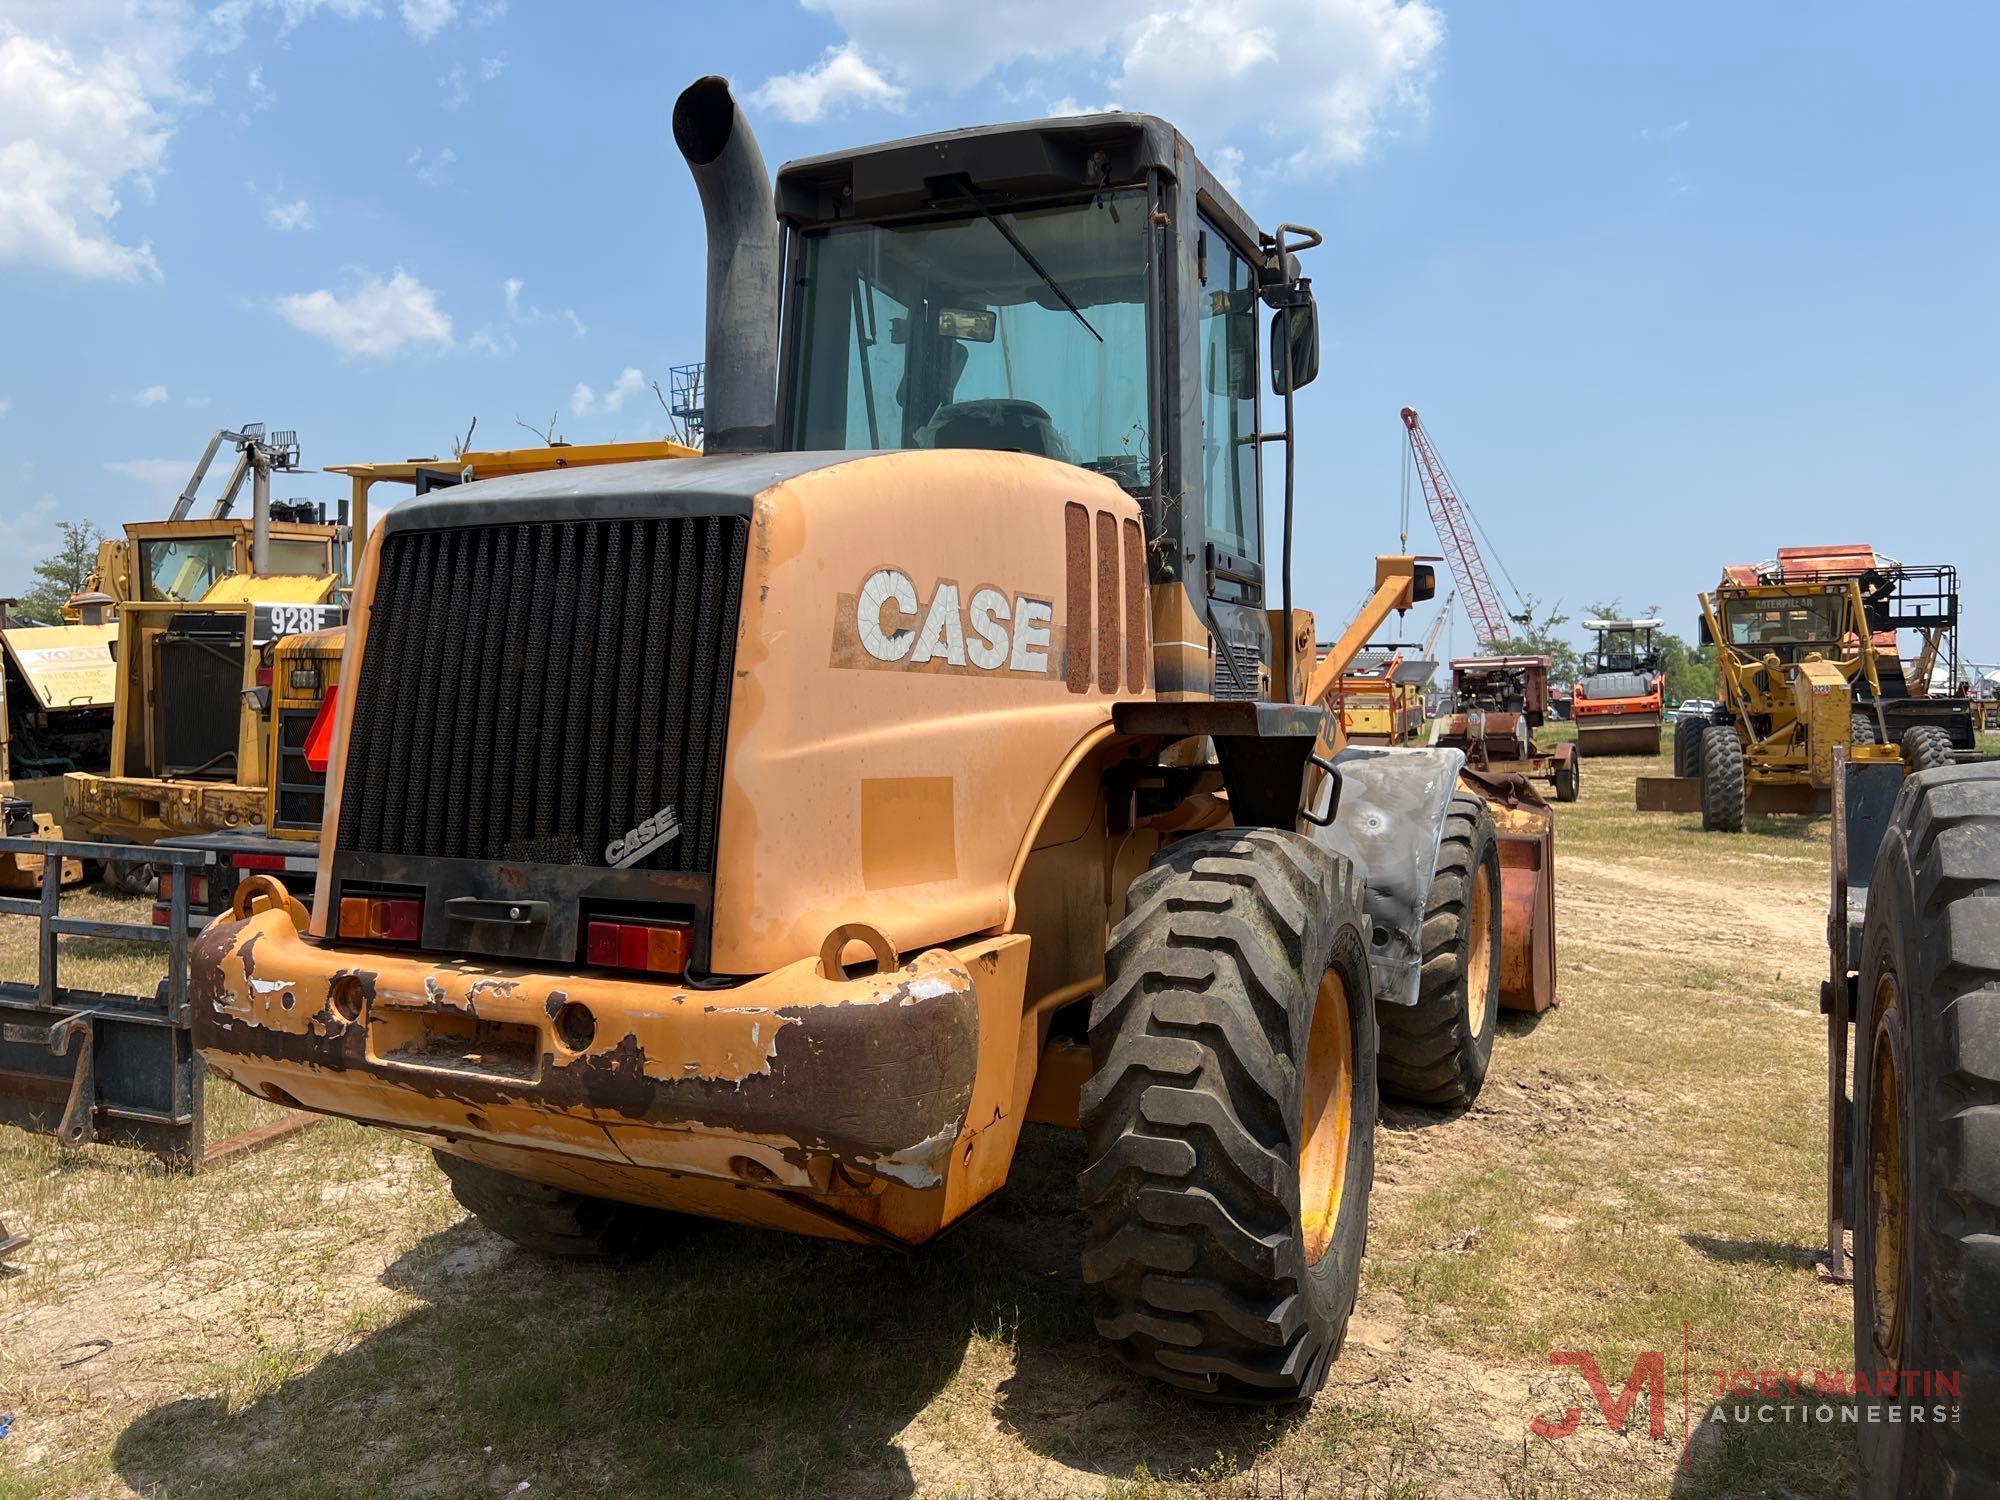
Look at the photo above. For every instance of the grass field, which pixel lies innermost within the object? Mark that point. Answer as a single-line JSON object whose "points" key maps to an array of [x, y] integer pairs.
{"points": [[1643, 1173]]}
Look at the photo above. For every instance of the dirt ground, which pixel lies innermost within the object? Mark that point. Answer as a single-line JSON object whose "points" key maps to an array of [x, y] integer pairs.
{"points": [[1642, 1174]]}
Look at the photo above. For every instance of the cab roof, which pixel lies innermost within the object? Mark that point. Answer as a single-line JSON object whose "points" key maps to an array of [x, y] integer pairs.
{"points": [[1025, 160]]}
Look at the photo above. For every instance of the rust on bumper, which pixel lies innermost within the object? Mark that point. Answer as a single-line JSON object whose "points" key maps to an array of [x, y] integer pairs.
{"points": [[880, 1102]]}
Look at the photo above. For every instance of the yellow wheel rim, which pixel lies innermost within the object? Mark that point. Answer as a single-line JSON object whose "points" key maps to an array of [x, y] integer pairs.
{"points": [[1326, 1120], [1479, 953], [1885, 1177]]}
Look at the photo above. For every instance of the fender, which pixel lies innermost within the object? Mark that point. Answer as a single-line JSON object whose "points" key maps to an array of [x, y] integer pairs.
{"points": [[1390, 823]]}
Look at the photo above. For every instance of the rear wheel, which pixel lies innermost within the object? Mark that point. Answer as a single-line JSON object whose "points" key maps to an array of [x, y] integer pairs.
{"points": [[1722, 781], [1927, 1145], [1927, 747], [1861, 730], [1229, 1124], [1569, 778], [1687, 745], [1436, 1052], [553, 1221]]}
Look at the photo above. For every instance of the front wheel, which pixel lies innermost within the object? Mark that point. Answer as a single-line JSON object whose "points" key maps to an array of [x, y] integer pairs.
{"points": [[1688, 731], [1722, 781], [1927, 747], [1927, 1145], [1437, 1051], [1229, 1122]]}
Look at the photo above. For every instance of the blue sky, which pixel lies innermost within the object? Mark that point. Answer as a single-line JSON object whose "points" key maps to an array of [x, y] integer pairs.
{"points": [[1671, 287]]}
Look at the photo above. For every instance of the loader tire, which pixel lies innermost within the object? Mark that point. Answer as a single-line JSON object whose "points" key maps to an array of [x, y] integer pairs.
{"points": [[552, 1221], [1688, 731], [1927, 747], [1927, 1144], [131, 877], [1722, 781], [1436, 1052], [1229, 1125], [1861, 730]]}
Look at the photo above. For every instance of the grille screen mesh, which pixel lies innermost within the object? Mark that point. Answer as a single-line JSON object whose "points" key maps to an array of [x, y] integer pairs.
{"points": [[530, 692]]}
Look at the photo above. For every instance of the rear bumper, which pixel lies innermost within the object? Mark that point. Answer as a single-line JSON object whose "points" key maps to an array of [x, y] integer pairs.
{"points": [[145, 810], [864, 1097]]}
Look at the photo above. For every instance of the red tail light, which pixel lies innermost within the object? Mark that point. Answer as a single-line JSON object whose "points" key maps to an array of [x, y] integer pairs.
{"points": [[319, 738], [383, 919], [656, 947], [197, 891], [258, 861]]}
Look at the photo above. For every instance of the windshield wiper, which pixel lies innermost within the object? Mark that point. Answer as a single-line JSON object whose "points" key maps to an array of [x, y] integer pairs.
{"points": [[1026, 255]]}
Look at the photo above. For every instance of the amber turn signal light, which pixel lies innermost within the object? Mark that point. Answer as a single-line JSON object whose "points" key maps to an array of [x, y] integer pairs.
{"points": [[656, 947], [385, 919]]}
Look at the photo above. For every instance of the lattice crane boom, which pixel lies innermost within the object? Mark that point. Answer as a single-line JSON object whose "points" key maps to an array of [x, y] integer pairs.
{"points": [[1455, 535]]}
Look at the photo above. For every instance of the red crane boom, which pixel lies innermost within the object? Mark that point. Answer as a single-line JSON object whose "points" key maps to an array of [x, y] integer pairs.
{"points": [[1454, 533]]}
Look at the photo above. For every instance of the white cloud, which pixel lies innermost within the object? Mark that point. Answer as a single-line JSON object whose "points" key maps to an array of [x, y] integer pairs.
{"points": [[488, 13], [432, 169], [5, 406], [456, 90], [155, 473], [75, 130], [297, 214], [152, 395], [426, 18], [375, 318], [839, 79], [583, 400], [1663, 132], [575, 322], [91, 92], [1346, 69], [491, 68]]}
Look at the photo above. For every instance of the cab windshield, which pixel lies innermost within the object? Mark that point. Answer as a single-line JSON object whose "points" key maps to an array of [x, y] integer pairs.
{"points": [[182, 569], [1757, 625], [945, 335]]}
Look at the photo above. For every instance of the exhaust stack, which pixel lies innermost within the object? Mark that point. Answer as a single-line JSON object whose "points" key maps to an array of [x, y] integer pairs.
{"points": [[741, 346]]}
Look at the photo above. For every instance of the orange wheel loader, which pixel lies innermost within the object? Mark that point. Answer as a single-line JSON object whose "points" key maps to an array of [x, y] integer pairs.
{"points": [[768, 835]]}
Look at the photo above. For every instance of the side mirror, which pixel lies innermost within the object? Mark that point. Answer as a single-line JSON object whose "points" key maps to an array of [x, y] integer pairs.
{"points": [[1295, 363]]}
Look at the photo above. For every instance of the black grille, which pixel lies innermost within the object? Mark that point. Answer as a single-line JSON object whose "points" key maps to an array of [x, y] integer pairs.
{"points": [[530, 692], [201, 685]]}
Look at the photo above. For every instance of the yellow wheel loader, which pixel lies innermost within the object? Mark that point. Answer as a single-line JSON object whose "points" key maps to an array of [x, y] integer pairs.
{"points": [[1913, 1155], [768, 835], [200, 604]]}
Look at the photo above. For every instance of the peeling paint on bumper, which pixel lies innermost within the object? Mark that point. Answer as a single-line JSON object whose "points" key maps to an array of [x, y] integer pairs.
{"points": [[856, 1091]]}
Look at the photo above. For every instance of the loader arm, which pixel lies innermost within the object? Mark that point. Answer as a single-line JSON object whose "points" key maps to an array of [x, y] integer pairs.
{"points": [[1397, 580]]}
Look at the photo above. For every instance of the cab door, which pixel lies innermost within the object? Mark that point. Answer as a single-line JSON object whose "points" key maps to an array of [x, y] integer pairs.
{"points": [[1232, 554]]}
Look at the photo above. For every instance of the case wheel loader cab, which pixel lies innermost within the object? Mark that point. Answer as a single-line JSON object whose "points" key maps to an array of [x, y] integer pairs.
{"points": [[744, 835]]}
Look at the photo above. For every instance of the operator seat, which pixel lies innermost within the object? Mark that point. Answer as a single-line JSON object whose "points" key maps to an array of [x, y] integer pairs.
{"points": [[1001, 423]]}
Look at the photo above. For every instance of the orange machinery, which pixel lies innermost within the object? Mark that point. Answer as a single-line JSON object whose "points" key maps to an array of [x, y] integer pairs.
{"points": [[1619, 707]]}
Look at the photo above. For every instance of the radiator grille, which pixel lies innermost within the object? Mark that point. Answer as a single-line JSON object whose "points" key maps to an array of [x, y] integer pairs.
{"points": [[530, 692], [200, 697]]}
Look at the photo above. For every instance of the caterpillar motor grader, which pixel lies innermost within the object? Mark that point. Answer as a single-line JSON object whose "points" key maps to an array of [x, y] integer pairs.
{"points": [[1801, 674], [1618, 706], [768, 835]]}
